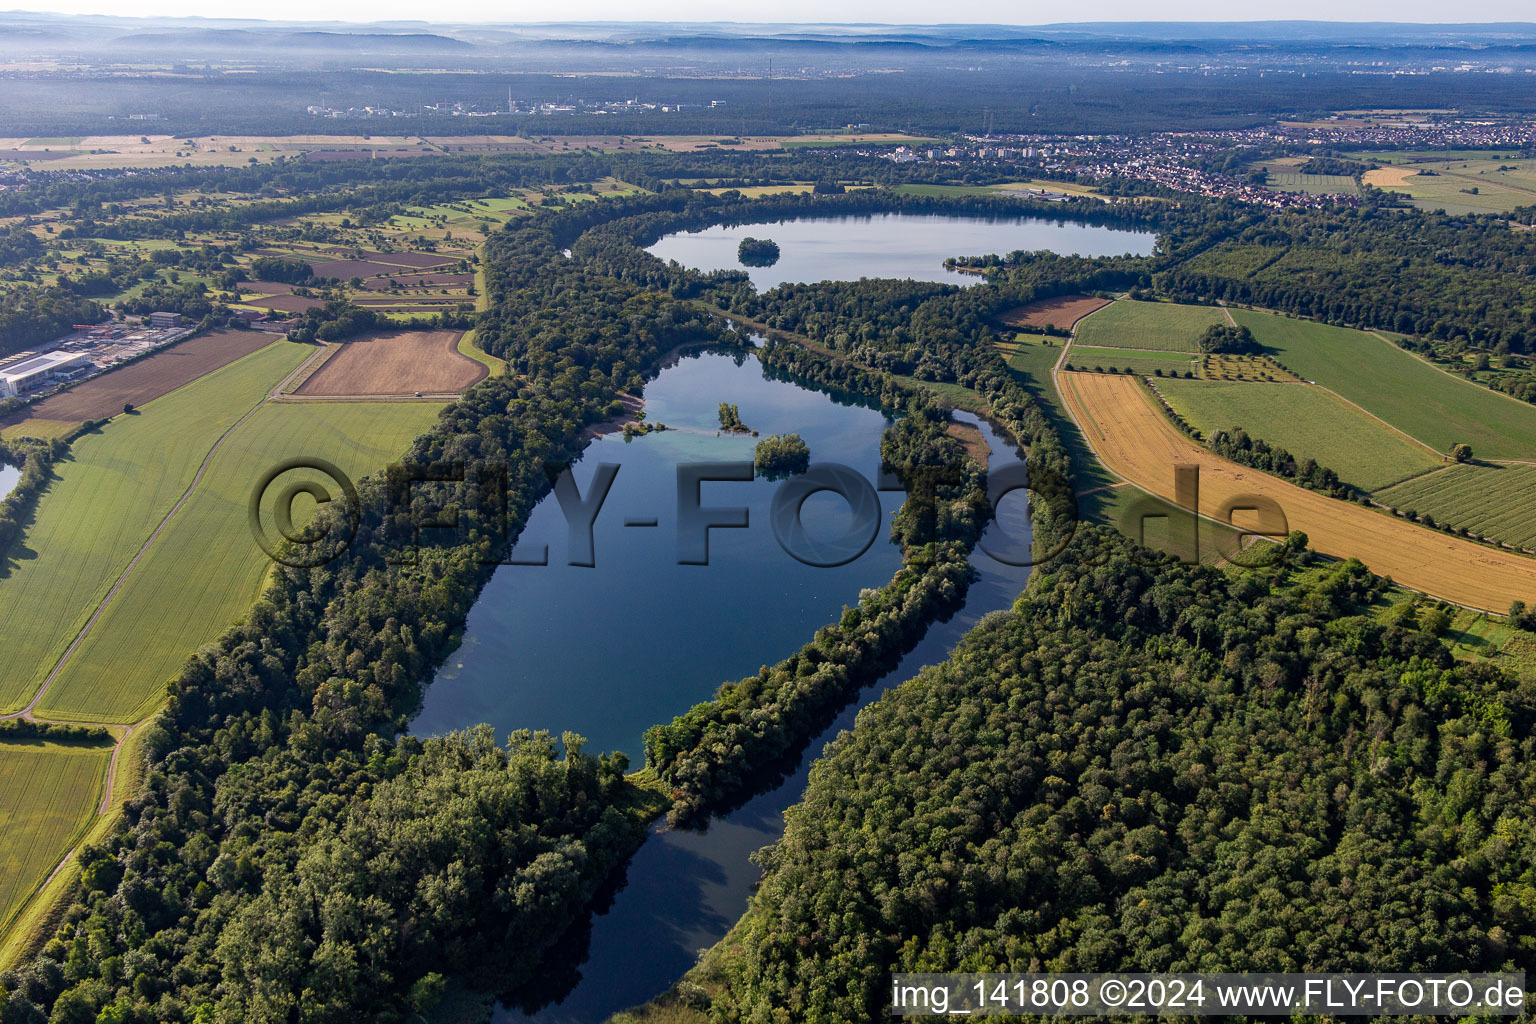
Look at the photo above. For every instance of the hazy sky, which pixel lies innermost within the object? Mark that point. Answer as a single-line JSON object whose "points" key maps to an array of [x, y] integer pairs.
{"points": [[886, 11]]}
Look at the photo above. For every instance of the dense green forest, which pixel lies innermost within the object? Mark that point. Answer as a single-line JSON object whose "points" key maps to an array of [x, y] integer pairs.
{"points": [[1152, 767]]}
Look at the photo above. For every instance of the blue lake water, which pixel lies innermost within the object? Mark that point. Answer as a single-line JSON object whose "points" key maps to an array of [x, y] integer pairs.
{"points": [[684, 889], [894, 245], [9, 476], [637, 639]]}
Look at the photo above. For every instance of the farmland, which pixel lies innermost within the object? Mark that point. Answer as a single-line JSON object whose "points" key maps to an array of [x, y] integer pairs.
{"points": [[1474, 183], [1410, 394], [163, 611], [1290, 181], [1150, 325], [395, 364], [1134, 439], [1498, 501], [136, 383], [1306, 421], [110, 493], [1060, 313], [1114, 360], [48, 794]]}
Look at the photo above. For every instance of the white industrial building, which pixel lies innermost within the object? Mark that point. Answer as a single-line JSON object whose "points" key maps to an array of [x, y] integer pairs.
{"points": [[26, 374]]}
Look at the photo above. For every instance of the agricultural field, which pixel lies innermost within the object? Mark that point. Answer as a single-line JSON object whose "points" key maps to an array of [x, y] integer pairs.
{"points": [[1475, 183], [1032, 356], [1145, 361], [137, 383], [1060, 313], [1007, 188], [1320, 184], [402, 363], [1161, 326], [1497, 501], [144, 151], [1410, 394], [1132, 437], [48, 795], [107, 498], [1220, 366], [470, 350], [165, 611], [1306, 421]]}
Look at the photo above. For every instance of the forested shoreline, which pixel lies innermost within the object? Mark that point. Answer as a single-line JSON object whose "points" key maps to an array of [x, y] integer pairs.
{"points": [[1154, 767]]}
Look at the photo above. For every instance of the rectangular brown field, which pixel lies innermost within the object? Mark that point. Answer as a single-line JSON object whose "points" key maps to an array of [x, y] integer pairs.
{"points": [[286, 303], [419, 260], [420, 281], [1062, 312], [399, 363], [347, 269], [266, 287], [147, 379]]}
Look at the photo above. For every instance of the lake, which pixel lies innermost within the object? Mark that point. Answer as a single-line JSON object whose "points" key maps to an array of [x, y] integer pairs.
{"points": [[893, 245], [9, 476], [637, 639], [684, 889]]}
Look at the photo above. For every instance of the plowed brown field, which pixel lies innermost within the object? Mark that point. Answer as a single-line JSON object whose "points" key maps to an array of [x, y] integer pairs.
{"points": [[1062, 312], [145, 380], [1131, 436], [395, 364]]}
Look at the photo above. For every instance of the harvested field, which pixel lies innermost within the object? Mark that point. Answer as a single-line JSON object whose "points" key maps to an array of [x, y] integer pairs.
{"points": [[395, 364], [347, 269], [420, 281], [1062, 312], [1388, 177], [147, 379], [286, 303], [1133, 438], [266, 287], [366, 154], [419, 260], [405, 306]]}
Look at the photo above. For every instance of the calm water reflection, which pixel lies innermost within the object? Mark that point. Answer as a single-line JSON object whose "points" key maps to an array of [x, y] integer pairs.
{"points": [[684, 890], [895, 245]]}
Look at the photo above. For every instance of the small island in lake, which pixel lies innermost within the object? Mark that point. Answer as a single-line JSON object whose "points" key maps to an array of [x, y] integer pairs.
{"points": [[757, 252], [782, 454], [730, 420]]}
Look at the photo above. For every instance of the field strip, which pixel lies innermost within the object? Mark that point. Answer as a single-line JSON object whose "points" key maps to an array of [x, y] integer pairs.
{"points": [[306, 369], [1135, 441], [1366, 412], [1416, 476], [101, 607], [282, 385], [1227, 313], [1478, 180], [425, 396], [106, 793], [1431, 364]]}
